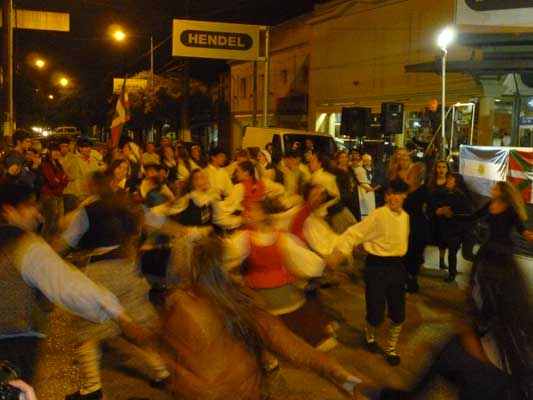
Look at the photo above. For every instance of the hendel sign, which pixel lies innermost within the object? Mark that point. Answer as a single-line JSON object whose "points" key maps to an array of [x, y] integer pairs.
{"points": [[215, 40]]}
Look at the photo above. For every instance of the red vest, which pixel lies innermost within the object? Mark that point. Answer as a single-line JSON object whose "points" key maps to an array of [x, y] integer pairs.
{"points": [[254, 191], [297, 224], [266, 267]]}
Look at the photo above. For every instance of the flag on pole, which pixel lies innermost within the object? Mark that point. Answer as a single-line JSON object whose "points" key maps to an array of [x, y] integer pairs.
{"points": [[521, 172], [122, 115]]}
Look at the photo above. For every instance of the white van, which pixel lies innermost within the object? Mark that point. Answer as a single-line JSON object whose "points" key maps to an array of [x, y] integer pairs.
{"points": [[284, 139], [67, 130]]}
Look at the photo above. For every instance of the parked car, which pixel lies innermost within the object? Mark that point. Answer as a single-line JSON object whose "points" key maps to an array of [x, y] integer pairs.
{"points": [[67, 130]]}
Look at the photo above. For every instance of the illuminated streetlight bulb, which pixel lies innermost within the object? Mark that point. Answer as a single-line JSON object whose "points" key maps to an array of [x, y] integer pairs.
{"points": [[51, 96], [64, 82], [446, 37], [119, 35], [39, 63]]}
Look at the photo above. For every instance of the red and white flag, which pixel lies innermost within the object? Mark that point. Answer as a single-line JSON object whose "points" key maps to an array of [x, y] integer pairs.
{"points": [[521, 172], [122, 115]]}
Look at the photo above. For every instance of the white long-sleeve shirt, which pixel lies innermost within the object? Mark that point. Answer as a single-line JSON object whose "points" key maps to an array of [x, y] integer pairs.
{"points": [[318, 234], [329, 182], [383, 233], [219, 180], [299, 260], [64, 285]]}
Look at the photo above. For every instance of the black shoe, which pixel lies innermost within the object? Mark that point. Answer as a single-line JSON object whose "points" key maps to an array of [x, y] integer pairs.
{"points": [[96, 395], [393, 359], [450, 278], [372, 346]]}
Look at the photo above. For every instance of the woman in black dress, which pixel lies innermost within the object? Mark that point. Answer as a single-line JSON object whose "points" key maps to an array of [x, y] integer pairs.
{"points": [[505, 211], [416, 205], [454, 229], [437, 186]]}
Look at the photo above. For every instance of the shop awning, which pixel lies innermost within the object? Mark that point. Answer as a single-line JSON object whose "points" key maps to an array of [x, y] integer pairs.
{"points": [[486, 67]]}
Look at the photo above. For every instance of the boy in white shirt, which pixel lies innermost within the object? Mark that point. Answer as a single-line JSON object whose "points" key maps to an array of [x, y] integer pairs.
{"points": [[384, 235]]}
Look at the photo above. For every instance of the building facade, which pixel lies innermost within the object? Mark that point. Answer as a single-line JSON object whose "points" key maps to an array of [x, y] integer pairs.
{"points": [[352, 53]]}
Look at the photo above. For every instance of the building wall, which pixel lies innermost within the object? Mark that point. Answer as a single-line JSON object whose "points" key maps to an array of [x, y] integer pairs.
{"points": [[359, 52], [289, 76]]}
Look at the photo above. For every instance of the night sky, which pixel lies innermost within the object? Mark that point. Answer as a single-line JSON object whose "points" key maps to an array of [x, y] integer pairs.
{"points": [[91, 58]]}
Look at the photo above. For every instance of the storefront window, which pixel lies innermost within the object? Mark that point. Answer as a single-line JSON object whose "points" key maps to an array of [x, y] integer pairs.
{"points": [[525, 127]]}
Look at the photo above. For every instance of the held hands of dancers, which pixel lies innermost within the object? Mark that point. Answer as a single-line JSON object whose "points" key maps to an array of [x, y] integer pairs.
{"points": [[135, 333]]}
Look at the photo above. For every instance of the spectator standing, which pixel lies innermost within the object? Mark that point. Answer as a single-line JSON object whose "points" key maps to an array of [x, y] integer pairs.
{"points": [[169, 161], [79, 169], [150, 156], [197, 156], [218, 178], [437, 186], [15, 162], [365, 176], [185, 164], [54, 181], [348, 184], [454, 230], [415, 205]]}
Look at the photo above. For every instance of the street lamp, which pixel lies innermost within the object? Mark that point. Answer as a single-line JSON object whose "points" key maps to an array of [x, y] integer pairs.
{"points": [[51, 96], [40, 63], [64, 82], [119, 35], [446, 37]]}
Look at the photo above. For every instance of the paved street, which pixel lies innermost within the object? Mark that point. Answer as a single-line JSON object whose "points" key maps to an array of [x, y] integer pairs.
{"points": [[431, 317]]}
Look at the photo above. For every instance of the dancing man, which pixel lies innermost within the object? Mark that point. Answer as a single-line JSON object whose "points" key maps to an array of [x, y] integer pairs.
{"points": [[384, 235]]}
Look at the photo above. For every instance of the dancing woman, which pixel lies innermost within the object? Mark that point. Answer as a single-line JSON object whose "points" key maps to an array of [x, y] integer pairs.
{"points": [[492, 360], [505, 211], [217, 332]]}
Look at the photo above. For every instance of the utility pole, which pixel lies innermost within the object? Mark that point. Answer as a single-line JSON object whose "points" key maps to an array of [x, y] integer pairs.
{"points": [[254, 99], [151, 61], [7, 23]]}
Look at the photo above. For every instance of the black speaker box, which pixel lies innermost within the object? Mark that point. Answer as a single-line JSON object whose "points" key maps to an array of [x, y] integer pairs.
{"points": [[392, 118], [355, 121]]}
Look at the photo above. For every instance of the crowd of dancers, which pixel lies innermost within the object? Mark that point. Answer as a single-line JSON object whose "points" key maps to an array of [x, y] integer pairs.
{"points": [[232, 256]]}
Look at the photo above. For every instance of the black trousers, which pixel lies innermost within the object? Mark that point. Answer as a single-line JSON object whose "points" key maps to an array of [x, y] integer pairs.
{"points": [[22, 353], [453, 244], [385, 279]]}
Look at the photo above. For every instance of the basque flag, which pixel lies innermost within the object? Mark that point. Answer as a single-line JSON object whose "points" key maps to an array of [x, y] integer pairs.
{"points": [[521, 172], [122, 115]]}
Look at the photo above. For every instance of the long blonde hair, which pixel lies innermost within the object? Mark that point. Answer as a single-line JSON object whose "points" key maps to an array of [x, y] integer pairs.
{"points": [[512, 197], [395, 163]]}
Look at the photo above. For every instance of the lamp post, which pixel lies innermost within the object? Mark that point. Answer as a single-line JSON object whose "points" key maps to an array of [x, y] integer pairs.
{"points": [[446, 37], [119, 35]]}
